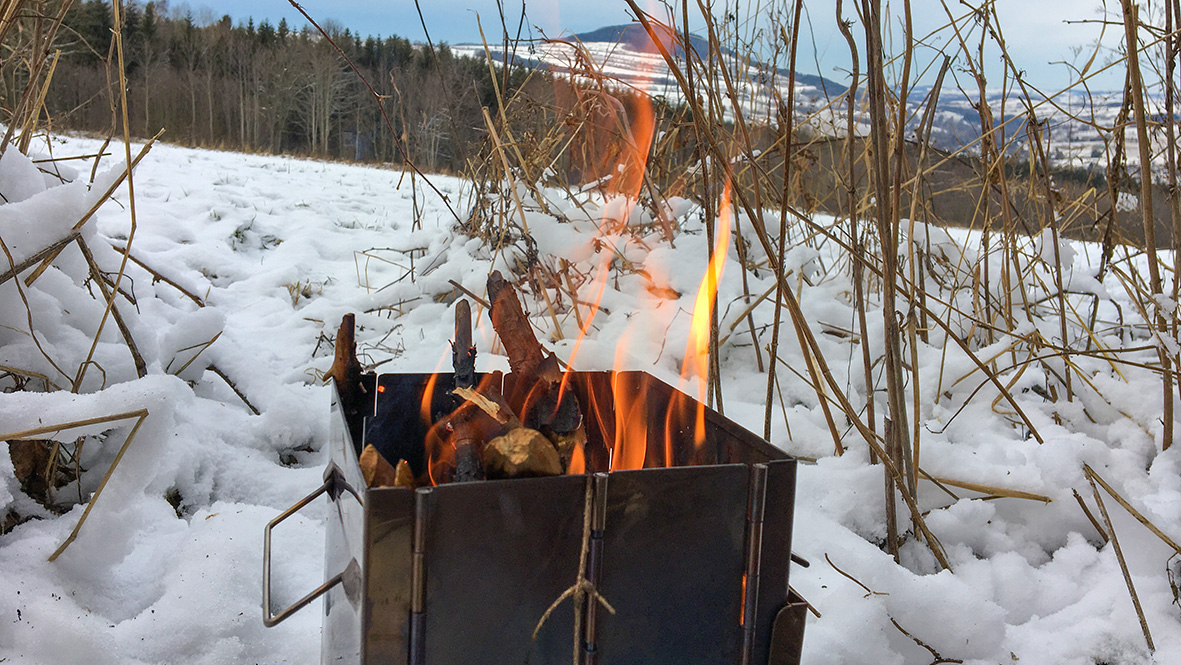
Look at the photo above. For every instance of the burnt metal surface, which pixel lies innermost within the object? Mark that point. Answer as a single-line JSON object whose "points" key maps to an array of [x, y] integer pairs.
{"points": [[674, 581], [462, 573], [788, 633], [497, 554], [775, 551]]}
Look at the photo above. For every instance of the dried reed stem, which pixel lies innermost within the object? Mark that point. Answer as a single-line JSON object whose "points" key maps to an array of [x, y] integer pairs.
{"points": [[1123, 564], [1136, 86]]}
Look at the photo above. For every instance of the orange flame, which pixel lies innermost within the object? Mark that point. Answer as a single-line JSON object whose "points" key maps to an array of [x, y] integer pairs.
{"points": [[698, 348], [428, 395], [434, 441], [577, 461], [630, 447]]}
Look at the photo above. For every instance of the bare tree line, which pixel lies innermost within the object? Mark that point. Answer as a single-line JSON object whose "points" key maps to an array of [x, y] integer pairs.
{"points": [[267, 88]]}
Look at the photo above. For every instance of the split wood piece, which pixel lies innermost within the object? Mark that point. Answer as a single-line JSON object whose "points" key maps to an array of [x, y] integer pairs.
{"points": [[377, 471], [528, 360], [521, 453], [491, 402], [404, 476], [567, 442]]}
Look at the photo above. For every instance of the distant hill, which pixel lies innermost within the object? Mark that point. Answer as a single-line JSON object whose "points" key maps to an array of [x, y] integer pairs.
{"points": [[626, 55], [634, 36]]}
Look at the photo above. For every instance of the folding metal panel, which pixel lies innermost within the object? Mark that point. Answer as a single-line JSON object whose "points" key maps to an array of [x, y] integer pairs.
{"points": [[497, 554], [389, 538], [775, 554], [344, 531], [672, 565]]}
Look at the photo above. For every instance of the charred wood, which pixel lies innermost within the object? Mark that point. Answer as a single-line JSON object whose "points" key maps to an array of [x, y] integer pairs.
{"points": [[355, 399]]}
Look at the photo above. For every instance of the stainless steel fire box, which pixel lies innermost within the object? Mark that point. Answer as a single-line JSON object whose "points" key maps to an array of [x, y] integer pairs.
{"points": [[693, 559]]}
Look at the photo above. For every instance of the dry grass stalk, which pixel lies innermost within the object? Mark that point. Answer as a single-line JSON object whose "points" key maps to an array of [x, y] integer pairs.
{"points": [[1096, 478], [96, 275], [1136, 86], [140, 415], [237, 391], [990, 490], [786, 121], [160, 277], [1123, 564]]}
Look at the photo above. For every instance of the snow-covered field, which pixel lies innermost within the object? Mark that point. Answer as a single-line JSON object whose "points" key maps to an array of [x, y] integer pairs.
{"points": [[279, 249]]}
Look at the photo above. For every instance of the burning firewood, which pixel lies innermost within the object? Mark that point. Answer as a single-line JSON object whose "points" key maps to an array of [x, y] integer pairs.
{"points": [[526, 357], [547, 406], [484, 436], [492, 403], [465, 433]]}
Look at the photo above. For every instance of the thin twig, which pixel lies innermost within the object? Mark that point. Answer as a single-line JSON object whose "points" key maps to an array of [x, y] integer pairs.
{"points": [[234, 387], [158, 276]]}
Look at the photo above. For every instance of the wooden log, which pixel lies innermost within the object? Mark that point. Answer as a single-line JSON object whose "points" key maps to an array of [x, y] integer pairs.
{"points": [[346, 372], [528, 360], [545, 406], [346, 369], [378, 472], [521, 453], [566, 442]]}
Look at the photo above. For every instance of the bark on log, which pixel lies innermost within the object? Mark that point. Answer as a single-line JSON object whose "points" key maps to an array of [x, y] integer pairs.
{"points": [[528, 360], [346, 372]]}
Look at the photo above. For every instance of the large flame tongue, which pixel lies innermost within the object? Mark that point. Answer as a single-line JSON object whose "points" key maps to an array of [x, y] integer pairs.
{"points": [[695, 369]]}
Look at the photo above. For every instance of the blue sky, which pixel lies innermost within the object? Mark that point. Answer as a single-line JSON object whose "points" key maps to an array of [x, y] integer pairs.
{"points": [[1039, 32]]}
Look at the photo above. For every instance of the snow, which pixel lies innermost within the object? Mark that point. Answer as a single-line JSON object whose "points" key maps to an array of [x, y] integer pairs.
{"points": [[281, 248]]}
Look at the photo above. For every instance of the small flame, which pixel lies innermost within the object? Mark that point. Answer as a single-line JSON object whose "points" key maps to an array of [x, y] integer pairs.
{"points": [[435, 443], [428, 395], [577, 461], [742, 608]]}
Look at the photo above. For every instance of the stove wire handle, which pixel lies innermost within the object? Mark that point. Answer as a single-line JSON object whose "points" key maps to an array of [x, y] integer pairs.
{"points": [[270, 619]]}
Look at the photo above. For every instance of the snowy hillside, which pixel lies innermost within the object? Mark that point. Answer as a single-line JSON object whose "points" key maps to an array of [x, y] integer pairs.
{"points": [[167, 567], [625, 56]]}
